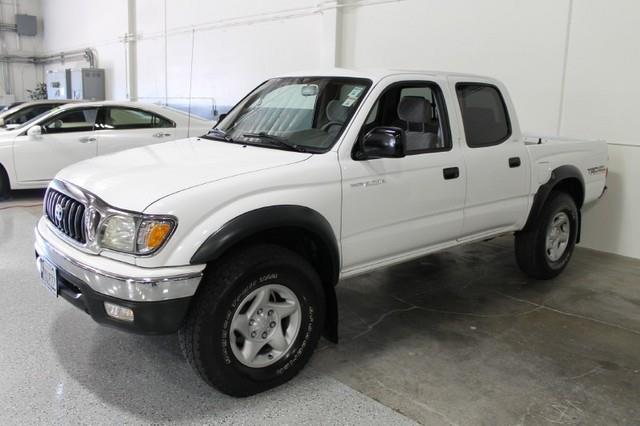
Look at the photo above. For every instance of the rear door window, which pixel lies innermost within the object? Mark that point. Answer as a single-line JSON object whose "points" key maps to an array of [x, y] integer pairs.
{"points": [[484, 114], [129, 118]]}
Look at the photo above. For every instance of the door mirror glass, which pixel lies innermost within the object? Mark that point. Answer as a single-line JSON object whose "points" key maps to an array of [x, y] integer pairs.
{"points": [[1, 122], [34, 131], [382, 142]]}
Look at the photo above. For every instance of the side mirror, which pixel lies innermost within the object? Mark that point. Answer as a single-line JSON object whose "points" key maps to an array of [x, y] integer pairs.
{"points": [[222, 117], [1, 122], [382, 142], [34, 131]]}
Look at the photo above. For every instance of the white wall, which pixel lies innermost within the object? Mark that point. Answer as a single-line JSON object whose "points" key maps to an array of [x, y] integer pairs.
{"points": [[21, 77], [236, 46], [77, 24], [602, 101], [569, 64]]}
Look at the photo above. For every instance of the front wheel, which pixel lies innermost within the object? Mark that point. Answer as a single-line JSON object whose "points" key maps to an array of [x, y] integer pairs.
{"points": [[544, 250], [256, 320], [5, 187]]}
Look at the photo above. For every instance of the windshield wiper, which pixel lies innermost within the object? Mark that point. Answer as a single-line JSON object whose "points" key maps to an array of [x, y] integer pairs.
{"points": [[277, 140], [220, 134]]}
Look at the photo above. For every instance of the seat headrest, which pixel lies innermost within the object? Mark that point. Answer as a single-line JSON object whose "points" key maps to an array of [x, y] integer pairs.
{"points": [[336, 111], [414, 109]]}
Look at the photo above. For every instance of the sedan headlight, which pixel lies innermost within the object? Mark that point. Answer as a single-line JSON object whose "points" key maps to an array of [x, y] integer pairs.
{"points": [[135, 234]]}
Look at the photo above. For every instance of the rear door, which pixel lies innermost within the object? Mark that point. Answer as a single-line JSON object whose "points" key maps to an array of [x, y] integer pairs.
{"points": [[67, 137], [121, 128], [496, 159]]}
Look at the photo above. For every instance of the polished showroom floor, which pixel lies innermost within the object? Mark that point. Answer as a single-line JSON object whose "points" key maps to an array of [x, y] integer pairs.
{"points": [[460, 337]]}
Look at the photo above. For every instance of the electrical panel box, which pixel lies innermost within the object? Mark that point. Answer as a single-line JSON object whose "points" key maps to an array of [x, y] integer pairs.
{"points": [[59, 84], [26, 25], [88, 84]]}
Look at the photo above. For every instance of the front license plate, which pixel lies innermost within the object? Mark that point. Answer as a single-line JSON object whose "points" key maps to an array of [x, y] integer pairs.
{"points": [[49, 276]]}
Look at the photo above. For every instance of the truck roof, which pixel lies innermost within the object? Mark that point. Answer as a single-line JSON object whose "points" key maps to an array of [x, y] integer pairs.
{"points": [[378, 74]]}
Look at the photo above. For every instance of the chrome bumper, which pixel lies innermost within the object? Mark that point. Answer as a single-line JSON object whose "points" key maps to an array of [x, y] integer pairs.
{"points": [[145, 287]]}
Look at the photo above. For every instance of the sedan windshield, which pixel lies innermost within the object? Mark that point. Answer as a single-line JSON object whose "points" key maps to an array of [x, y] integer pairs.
{"points": [[305, 114]]}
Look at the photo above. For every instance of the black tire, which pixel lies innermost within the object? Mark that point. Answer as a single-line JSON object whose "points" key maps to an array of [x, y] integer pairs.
{"points": [[5, 186], [205, 337], [531, 251]]}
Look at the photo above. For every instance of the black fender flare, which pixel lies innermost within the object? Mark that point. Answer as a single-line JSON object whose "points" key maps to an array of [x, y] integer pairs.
{"points": [[557, 176], [264, 219]]}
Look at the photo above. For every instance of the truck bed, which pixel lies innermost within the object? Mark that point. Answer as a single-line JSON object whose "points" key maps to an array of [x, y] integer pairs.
{"points": [[588, 156]]}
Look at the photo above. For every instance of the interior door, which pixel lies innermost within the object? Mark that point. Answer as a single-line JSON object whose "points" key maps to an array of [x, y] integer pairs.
{"points": [[121, 128], [498, 167], [395, 206], [67, 137]]}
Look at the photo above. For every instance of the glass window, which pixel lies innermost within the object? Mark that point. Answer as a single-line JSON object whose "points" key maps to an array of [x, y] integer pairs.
{"points": [[484, 114], [417, 109], [26, 114], [129, 118], [297, 113], [75, 120]]}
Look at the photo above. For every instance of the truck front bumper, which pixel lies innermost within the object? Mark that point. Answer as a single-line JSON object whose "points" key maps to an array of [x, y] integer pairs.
{"points": [[159, 298]]}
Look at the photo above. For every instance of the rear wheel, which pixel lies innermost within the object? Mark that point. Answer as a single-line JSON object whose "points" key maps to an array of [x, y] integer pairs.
{"points": [[544, 250], [256, 320]]}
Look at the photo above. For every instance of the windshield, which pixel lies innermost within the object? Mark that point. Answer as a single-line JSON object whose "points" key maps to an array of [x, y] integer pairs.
{"points": [[22, 114], [39, 117], [297, 113]]}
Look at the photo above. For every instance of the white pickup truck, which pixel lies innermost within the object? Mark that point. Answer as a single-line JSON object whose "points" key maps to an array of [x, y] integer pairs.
{"points": [[236, 239]]}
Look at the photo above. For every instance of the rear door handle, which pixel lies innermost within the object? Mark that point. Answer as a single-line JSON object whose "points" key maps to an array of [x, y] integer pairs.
{"points": [[161, 135], [451, 173], [87, 139], [514, 162]]}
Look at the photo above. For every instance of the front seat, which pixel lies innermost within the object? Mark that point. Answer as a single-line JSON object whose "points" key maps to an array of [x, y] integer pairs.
{"points": [[337, 115], [416, 110]]}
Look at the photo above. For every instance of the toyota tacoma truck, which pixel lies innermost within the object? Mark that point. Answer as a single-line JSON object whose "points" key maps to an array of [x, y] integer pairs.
{"points": [[236, 239]]}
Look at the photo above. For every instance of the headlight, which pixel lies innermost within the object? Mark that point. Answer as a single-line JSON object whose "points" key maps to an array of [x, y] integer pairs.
{"points": [[135, 234]]}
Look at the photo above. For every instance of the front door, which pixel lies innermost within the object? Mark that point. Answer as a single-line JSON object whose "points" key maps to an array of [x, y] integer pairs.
{"points": [[67, 137], [393, 207]]}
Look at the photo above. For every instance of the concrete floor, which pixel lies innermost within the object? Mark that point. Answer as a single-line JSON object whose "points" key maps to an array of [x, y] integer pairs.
{"points": [[455, 338]]}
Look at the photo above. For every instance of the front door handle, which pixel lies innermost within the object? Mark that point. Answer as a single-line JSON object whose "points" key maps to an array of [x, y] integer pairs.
{"points": [[451, 173], [87, 139], [161, 135], [514, 162]]}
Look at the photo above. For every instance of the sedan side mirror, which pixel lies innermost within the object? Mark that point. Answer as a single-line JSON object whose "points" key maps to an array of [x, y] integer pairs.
{"points": [[382, 142], [34, 131], [1, 122]]}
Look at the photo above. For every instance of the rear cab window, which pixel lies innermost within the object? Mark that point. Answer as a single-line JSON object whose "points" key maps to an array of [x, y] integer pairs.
{"points": [[484, 114]]}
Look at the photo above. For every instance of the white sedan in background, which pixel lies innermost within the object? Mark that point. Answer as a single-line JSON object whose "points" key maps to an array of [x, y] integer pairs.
{"points": [[33, 153]]}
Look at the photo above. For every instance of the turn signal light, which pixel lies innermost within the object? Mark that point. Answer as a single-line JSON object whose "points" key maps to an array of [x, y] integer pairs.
{"points": [[152, 234]]}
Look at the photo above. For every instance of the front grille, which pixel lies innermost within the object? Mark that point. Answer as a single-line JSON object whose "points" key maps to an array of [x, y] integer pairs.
{"points": [[70, 217]]}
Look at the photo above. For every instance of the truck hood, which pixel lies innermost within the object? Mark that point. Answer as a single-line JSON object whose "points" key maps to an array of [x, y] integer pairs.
{"points": [[136, 178]]}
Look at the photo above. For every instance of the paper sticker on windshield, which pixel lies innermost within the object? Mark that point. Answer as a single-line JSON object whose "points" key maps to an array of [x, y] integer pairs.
{"points": [[348, 102], [355, 92]]}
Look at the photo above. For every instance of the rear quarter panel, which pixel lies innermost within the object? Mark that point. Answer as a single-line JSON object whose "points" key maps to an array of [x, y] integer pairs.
{"points": [[589, 157]]}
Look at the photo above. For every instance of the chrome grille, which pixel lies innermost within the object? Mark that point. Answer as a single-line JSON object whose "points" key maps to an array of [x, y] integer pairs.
{"points": [[66, 214]]}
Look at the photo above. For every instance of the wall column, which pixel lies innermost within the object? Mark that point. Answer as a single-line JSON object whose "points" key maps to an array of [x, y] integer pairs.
{"points": [[132, 51]]}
